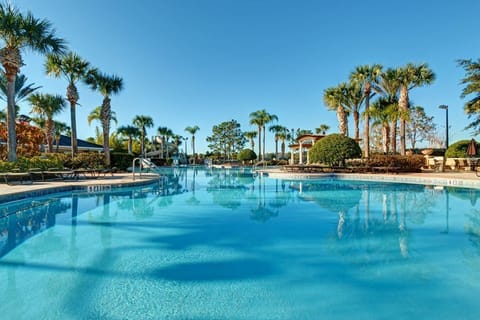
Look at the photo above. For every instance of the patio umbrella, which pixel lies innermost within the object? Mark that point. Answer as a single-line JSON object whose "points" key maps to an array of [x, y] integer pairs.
{"points": [[472, 148]]}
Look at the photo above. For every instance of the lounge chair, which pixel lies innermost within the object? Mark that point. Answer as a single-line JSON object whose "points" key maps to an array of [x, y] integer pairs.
{"points": [[22, 177]]}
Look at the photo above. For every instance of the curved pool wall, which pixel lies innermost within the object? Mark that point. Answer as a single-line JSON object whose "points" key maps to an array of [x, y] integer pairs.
{"points": [[220, 244]]}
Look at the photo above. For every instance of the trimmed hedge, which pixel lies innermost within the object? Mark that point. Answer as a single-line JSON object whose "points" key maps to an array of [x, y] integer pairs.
{"points": [[334, 149]]}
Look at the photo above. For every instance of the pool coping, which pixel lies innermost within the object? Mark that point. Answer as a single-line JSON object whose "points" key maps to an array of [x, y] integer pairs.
{"points": [[454, 179], [10, 193]]}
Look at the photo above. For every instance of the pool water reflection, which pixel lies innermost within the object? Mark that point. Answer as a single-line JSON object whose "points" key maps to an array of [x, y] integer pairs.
{"points": [[225, 244]]}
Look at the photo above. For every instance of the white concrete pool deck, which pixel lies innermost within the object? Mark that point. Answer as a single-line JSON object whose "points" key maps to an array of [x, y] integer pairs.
{"points": [[466, 179], [118, 179]]}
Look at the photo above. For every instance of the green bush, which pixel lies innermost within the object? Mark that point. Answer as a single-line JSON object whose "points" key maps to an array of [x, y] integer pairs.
{"points": [[411, 163], [23, 164], [458, 149], [334, 149], [246, 155], [121, 160]]}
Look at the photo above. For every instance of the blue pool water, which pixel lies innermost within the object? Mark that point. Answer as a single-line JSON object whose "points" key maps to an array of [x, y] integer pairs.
{"points": [[227, 245]]}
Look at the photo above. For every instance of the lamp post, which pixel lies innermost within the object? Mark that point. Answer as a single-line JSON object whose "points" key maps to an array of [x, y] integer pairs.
{"points": [[446, 124]]}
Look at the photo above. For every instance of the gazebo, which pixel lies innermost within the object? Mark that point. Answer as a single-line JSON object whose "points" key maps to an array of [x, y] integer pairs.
{"points": [[303, 143]]}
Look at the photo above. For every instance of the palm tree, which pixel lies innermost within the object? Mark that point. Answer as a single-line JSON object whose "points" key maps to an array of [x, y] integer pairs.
{"points": [[282, 136], [192, 131], [322, 129], [472, 82], [106, 85], [277, 130], [22, 89], [22, 92], [388, 85], [366, 76], [21, 32], [251, 135], [411, 76], [73, 68], [163, 132], [260, 118], [383, 111], [96, 114], [59, 128], [130, 132], [47, 106], [335, 98], [142, 123]]}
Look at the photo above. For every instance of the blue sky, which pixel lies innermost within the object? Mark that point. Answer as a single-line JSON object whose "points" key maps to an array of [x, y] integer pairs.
{"points": [[202, 62]]}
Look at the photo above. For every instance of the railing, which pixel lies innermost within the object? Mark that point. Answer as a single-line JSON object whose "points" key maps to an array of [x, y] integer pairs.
{"points": [[144, 163]]}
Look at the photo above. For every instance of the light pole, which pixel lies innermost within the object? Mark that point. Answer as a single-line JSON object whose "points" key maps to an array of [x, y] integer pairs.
{"points": [[446, 124]]}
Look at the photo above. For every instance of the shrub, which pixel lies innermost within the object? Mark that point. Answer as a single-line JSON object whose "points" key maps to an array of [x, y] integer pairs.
{"points": [[121, 160], [334, 149], [458, 149], [411, 163], [246, 155]]}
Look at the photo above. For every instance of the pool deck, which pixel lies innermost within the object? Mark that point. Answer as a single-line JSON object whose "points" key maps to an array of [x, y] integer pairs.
{"points": [[467, 179], [10, 192]]}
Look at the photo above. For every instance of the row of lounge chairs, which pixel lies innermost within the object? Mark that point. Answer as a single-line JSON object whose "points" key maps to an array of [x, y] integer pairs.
{"points": [[37, 174]]}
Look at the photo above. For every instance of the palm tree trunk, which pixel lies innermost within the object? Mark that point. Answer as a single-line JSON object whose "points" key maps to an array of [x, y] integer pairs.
{"points": [[263, 154], [276, 147], [193, 149], [259, 142], [386, 138], [403, 104], [106, 117], [367, 121], [72, 97], [341, 116], [49, 133], [393, 139], [129, 145], [11, 122], [356, 121], [283, 149]]}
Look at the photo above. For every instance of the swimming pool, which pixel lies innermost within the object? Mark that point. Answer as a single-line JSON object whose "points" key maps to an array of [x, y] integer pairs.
{"points": [[219, 244]]}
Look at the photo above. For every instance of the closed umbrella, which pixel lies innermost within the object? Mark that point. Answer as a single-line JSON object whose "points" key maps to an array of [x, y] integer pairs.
{"points": [[472, 152], [472, 148]]}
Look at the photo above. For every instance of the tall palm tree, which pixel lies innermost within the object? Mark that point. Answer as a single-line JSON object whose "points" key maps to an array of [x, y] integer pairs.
{"points": [[47, 106], [130, 132], [251, 135], [353, 101], [21, 32], [335, 99], [388, 86], [142, 123], [106, 85], [277, 130], [282, 136], [73, 68], [260, 118], [322, 129], [193, 130], [472, 88], [163, 132], [411, 76], [366, 76]]}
